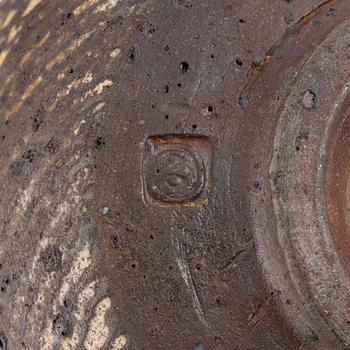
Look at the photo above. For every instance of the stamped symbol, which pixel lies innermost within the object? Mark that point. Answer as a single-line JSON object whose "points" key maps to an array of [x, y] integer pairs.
{"points": [[176, 170]]}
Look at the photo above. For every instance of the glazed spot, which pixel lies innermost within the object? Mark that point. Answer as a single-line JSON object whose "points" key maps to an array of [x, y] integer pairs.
{"points": [[13, 33], [99, 107], [119, 343], [98, 90], [3, 55], [30, 7], [8, 19], [84, 7], [98, 332], [81, 263], [107, 5], [115, 53]]}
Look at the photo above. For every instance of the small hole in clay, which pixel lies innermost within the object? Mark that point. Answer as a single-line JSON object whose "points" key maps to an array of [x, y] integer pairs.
{"points": [[184, 66]]}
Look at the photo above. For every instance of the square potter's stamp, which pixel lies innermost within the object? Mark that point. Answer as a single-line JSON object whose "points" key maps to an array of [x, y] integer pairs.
{"points": [[176, 170]]}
